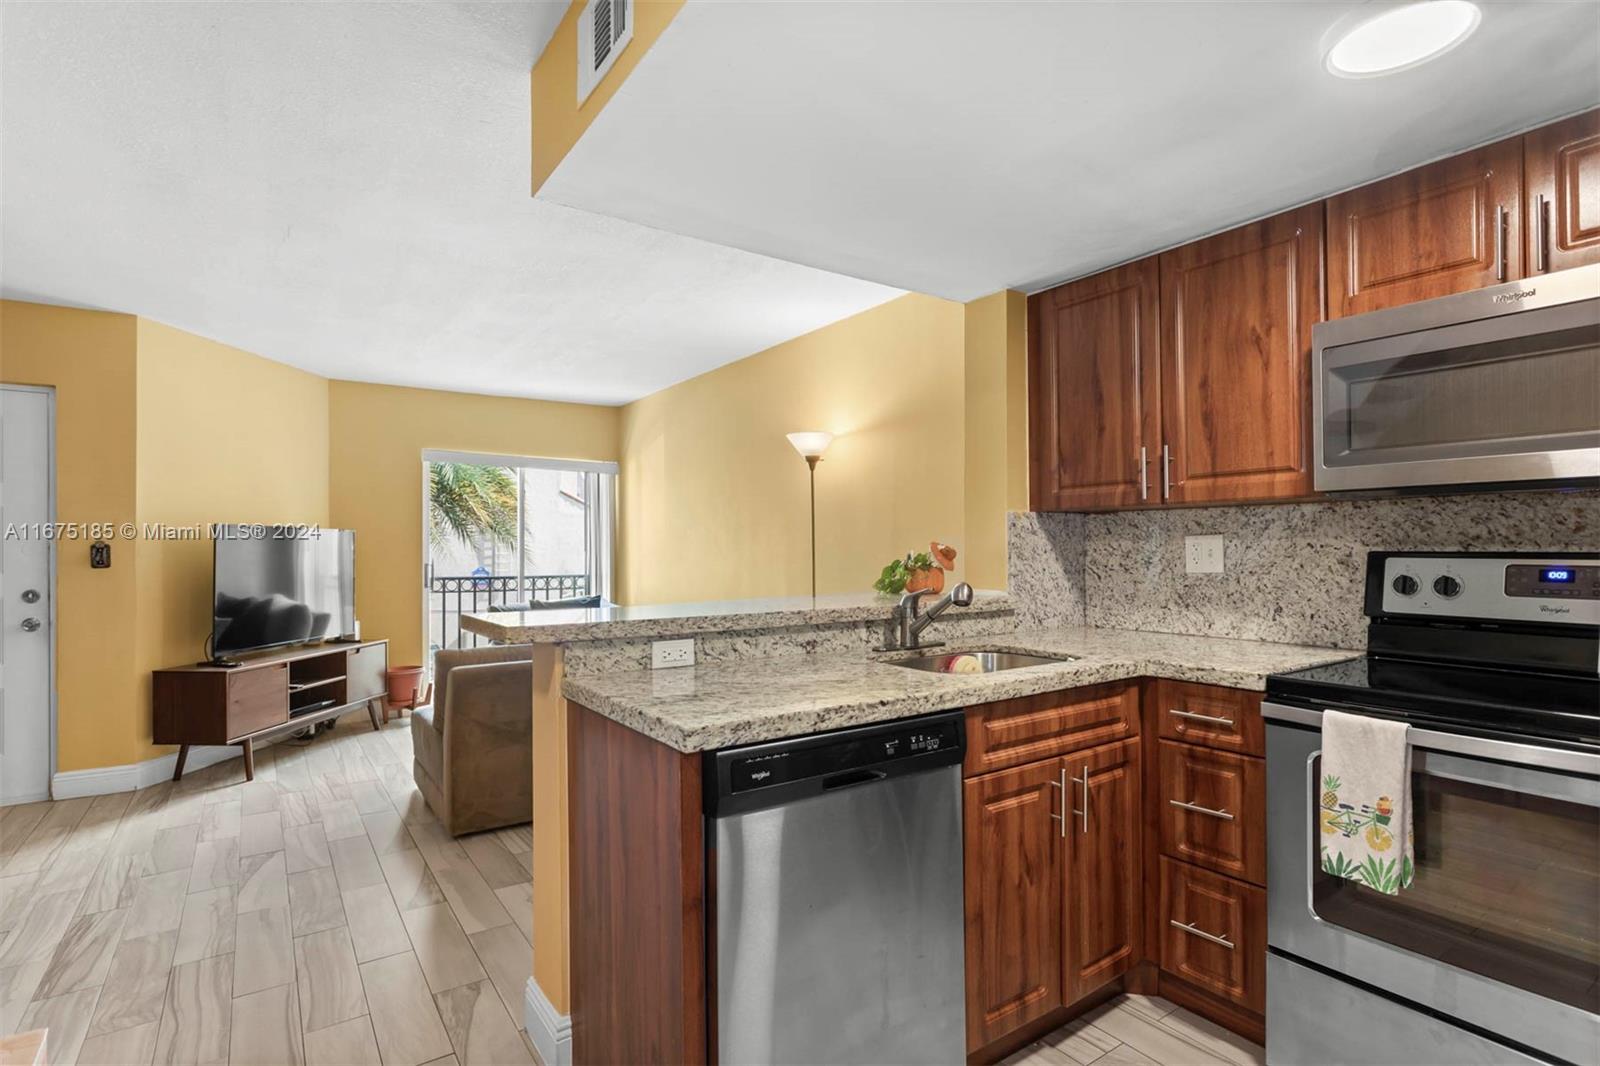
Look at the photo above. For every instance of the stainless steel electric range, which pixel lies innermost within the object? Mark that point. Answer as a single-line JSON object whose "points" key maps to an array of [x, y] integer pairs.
{"points": [[1493, 954]]}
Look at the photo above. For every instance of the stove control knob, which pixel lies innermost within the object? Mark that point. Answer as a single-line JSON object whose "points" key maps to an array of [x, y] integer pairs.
{"points": [[1406, 585], [1447, 586]]}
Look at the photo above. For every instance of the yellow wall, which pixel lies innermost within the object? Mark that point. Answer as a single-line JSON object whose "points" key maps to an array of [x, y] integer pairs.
{"points": [[558, 120], [89, 357], [224, 436], [376, 437], [714, 500], [996, 396]]}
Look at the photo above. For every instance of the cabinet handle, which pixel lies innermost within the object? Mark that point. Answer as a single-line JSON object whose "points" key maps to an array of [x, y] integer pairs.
{"points": [[1541, 234], [1196, 808], [1144, 473], [1083, 814], [1166, 471], [1060, 785], [1499, 242], [1194, 717], [1189, 927]]}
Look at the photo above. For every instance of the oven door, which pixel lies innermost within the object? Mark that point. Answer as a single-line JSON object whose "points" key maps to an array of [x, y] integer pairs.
{"points": [[1501, 928], [1495, 386]]}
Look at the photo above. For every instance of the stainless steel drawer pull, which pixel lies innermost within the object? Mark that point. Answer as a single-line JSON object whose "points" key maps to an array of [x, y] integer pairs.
{"points": [[1541, 233], [1188, 927], [1194, 717], [1196, 808], [1083, 814], [1144, 473], [1500, 243], [1061, 785]]}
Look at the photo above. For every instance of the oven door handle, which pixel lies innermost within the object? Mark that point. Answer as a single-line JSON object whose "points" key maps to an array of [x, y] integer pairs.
{"points": [[1530, 755]]}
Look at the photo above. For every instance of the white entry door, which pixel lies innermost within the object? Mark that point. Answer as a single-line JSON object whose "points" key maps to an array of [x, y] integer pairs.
{"points": [[27, 615]]}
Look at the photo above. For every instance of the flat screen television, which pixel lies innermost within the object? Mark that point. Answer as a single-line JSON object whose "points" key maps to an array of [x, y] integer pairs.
{"points": [[276, 585]]}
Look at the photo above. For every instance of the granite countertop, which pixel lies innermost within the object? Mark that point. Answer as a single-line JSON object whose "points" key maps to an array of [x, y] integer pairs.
{"points": [[684, 619], [698, 708]]}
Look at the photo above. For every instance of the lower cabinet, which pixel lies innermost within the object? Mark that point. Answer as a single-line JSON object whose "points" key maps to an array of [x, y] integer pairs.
{"points": [[1214, 933], [1053, 884]]}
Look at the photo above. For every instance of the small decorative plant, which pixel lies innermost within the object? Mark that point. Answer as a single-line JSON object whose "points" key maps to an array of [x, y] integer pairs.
{"points": [[918, 570]]}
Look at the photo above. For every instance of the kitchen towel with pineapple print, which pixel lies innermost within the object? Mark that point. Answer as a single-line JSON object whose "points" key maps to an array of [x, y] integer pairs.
{"points": [[1366, 801]]}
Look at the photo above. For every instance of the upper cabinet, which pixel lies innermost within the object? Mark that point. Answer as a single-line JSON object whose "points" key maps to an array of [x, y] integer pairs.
{"points": [[1448, 227], [1095, 348], [1236, 317], [1561, 167], [1185, 378]]}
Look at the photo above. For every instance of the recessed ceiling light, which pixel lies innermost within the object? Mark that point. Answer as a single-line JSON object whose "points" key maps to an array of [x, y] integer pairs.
{"points": [[1403, 37]]}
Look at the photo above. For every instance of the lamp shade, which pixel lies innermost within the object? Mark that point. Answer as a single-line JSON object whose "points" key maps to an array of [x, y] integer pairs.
{"points": [[811, 443]]}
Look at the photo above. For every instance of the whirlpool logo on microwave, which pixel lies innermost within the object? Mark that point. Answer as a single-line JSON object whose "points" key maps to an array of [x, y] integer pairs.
{"points": [[1513, 297]]}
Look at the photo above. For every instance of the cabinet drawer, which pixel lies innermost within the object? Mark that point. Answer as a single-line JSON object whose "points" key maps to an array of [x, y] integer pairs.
{"points": [[1225, 718], [1025, 730], [1214, 933], [257, 698], [364, 672], [1213, 810]]}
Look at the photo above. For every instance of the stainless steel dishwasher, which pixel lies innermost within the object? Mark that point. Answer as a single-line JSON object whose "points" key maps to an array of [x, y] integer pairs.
{"points": [[835, 867]]}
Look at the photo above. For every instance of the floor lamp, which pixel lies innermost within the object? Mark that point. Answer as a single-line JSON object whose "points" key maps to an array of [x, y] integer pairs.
{"points": [[811, 444]]}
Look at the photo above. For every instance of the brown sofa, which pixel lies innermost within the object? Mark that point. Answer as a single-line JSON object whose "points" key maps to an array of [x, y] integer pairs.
{"points": [[473, 749]]}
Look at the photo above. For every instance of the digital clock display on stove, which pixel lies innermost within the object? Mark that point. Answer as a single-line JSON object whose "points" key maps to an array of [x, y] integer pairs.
{"points": [[1557, 575]]}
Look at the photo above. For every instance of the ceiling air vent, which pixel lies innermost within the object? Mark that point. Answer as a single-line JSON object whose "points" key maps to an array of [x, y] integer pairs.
{"points": [[604, 29]]}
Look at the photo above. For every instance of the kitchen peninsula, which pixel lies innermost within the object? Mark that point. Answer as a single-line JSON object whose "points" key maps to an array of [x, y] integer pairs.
{"points": [[632, 740]]}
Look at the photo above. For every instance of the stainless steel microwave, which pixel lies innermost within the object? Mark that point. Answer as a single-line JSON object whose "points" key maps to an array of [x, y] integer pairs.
{"points": [[1499, 387]]}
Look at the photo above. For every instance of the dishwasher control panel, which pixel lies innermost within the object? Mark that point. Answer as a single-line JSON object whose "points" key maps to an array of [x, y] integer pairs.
{"points": [[830, 761]]}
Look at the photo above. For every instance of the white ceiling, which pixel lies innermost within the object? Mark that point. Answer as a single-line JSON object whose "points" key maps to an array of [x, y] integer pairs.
{"points": [[963, 147], [345, 187]]}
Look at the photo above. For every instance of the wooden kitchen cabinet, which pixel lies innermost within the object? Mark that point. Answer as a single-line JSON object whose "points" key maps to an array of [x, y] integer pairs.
{"points": [[1013, 899], [1236, 317], [1561, 169], [1212, 806], [1448, 227], [1214, 933], [1031, 728], [1095, 390], [1103, 863]]}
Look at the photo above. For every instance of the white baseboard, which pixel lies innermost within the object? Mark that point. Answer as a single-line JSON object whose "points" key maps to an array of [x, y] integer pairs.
{"points": [[136, 775], [548, 1029]]}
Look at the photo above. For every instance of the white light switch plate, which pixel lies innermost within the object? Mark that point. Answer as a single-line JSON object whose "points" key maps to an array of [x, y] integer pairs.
{"points": [[1202, 555], [664, 653]]}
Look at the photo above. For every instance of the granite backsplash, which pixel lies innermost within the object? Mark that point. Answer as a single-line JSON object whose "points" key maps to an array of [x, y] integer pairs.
{"points": [[1293, 573]]}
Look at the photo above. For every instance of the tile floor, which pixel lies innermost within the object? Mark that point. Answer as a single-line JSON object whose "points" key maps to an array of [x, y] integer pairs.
{"points": [[1140, 1031], [317, 915]]}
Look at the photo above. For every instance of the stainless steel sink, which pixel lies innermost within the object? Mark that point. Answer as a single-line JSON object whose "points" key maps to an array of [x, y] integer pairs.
{"points": [[977, 662]]}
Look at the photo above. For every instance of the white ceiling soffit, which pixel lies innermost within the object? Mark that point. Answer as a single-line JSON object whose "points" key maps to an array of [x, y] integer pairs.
{"points": [[344, 187], [963, 147]]}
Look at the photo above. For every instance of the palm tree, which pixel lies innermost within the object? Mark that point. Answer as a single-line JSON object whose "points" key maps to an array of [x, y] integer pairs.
{"points": [[472, 504]]}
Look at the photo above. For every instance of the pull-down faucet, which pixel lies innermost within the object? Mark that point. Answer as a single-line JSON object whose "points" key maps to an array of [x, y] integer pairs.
{"points": [[910, 624]]}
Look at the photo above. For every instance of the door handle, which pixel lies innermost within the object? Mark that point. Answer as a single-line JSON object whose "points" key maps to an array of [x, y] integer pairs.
{"points": [[1060, 785], [1083, 815], [1194, 717], [1189, 927], [1166, 471], [1541, 233], [1144, 473], [1500, 242], [1196, 808], [31, 625]]}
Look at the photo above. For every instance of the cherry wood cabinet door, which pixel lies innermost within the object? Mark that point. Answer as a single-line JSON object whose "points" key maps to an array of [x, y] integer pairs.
{"points": [[1104, 886], [1212, 809], [1236, 314], [1214, 933], [1451, 226], [1562, 171], [1013, 898], [1094, 389]]}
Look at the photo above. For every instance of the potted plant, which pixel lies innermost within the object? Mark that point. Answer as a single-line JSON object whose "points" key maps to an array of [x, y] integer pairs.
{"points": [[917, 571]]}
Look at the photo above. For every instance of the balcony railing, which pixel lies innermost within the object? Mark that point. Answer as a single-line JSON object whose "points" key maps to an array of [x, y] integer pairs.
{"points": [[450, 597]]}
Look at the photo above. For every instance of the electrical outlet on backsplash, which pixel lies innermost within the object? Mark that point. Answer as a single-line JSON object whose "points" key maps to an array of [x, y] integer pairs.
{"points": [[1294, 572]]}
